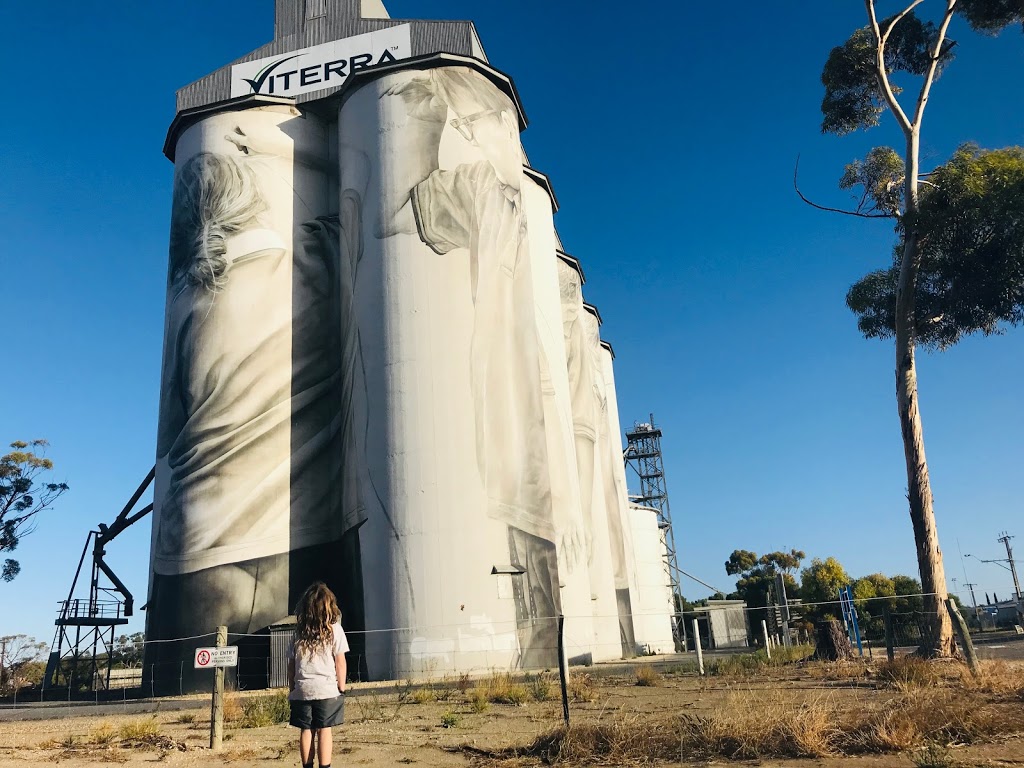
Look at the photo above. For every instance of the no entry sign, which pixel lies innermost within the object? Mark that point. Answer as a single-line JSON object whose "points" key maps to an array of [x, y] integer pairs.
{"points": [[208, 658]]}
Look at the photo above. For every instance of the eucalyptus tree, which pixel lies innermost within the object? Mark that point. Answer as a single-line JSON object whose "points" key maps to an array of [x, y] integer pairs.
{"points": [[957, 268]]}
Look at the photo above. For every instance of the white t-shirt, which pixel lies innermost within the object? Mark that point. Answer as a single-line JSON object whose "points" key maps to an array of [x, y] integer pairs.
{"points": [[315, 674]]}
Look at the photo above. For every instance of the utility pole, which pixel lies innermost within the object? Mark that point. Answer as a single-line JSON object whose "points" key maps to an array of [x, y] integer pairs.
{"points": [[974, 600], [1005, 539]]}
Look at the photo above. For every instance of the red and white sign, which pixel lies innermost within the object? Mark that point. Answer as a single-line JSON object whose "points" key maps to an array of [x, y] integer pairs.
{"points": [[208, 658]]}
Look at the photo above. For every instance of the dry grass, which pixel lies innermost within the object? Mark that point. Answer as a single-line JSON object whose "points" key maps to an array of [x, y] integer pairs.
{"points": [[994, 677], [758, 724], [647, 676], [905, 673], [139, 730], [503, 688], [581, 687], [232, 707]]}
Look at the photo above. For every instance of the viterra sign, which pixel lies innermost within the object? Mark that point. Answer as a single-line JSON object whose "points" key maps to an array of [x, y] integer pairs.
{"points": [[320, 66]]}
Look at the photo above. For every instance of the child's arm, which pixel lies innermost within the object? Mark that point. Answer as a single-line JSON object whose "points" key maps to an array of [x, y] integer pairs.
{"points": [[342, 671]]}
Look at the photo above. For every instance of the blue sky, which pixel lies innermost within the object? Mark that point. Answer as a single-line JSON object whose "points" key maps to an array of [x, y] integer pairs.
{"points": [[670, 138]]}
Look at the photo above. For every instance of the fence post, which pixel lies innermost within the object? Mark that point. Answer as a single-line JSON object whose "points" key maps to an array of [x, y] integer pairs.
{"points": [[217, 707], [696, 645], [890, 643], [764, 634], [964, 635], [561, 668]]}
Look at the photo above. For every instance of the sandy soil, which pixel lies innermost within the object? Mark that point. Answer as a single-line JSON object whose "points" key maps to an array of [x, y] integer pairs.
{"points": [[390, 729]]}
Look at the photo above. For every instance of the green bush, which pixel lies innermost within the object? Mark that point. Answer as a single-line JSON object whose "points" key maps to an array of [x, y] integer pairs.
{"points": [[261, 711]]}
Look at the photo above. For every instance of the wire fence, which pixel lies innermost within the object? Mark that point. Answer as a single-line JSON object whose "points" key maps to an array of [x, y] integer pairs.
{"points": [[166, 667]]}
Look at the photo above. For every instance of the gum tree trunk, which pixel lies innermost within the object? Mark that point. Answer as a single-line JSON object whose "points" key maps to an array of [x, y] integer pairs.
{"points": [[939, 639]]}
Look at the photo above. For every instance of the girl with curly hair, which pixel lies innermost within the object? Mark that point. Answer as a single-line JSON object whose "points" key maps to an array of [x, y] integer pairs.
{"points": [[316, 673]]}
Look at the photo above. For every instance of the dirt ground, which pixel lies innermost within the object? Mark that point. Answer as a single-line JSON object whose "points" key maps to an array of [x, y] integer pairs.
{"points": [[406, 727]]}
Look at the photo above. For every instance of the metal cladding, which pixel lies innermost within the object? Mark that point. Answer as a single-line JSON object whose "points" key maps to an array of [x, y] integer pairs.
{"points": [[378, 367]]}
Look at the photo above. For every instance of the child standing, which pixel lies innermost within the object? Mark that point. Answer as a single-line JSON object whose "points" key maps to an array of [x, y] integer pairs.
{"points": [[316, 673]]}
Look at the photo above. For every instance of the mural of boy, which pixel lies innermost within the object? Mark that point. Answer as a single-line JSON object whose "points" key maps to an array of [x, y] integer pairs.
{"points": [[478, 206]]}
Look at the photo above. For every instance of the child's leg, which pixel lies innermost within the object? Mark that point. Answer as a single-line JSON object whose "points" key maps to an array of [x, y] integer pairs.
{"points": [[324, 743], [306, 754]]}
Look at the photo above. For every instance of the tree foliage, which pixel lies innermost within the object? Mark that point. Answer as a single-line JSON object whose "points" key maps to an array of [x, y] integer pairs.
{"points": [[853, 96], [992, 16], [971, 278], [127, 650], [757, 576], [23, 495], [20, 655], [820, 583]]}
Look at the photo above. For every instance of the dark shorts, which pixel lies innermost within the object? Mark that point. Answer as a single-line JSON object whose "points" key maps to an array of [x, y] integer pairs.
{"points": [[319, 713]]}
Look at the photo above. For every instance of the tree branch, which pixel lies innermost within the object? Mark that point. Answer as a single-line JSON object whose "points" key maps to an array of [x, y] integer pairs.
{"points": [[898, 18], [859, 214], [880, 71], [929, 78]]}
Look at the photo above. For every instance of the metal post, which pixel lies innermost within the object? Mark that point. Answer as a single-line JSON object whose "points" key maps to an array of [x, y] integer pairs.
{"points": [[561, 668], [767, 641], [217, 706], [890, 645], [696, 645]]}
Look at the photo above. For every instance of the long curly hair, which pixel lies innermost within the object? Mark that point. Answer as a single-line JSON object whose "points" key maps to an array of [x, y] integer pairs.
{"points": [[315, 614], [215, 196]]}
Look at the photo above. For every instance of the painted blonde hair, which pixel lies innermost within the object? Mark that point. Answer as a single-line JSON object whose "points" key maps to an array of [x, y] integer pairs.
{"points": [[215, 196], [316, 613]]}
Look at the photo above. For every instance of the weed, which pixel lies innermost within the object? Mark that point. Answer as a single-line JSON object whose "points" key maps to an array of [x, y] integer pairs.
{"points": [[933, 756], [185, 718], [478, 700], [450, 719], [445, 692], [647, 676], [104, 735]]}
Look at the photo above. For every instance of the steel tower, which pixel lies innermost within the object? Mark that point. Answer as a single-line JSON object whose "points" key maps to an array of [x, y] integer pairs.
{"points": [[643, 455]]}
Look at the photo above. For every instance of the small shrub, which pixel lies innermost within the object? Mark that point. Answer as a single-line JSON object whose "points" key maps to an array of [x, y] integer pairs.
{"points": [[647, 676], [464, 683], [450, 719], [262, 711], [185, 718]]}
